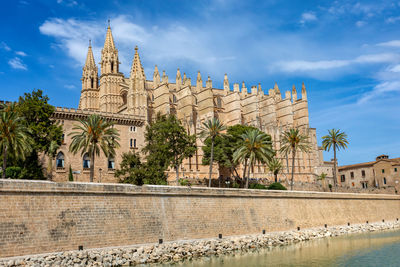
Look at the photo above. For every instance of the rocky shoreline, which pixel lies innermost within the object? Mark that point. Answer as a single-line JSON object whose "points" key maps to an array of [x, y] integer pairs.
{"points": [[188, 249]]}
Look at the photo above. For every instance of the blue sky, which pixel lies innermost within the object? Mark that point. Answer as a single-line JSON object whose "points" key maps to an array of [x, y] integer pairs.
{"points": [[346, 52]]}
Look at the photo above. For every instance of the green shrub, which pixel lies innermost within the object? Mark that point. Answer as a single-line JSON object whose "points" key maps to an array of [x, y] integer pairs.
{"points": [[330, 186], [235, 185], [184, 182], [257, 186], [276, 186], [13, 172]]}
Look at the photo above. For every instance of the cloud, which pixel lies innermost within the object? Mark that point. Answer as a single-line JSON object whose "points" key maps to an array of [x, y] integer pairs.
{"points": [[360, 23], [304, 65], [21, 53], [69, 3], [17, 63], [393, 43], [379, 90], [4, 46], [70, 86], [307, 17], [392, 19]]}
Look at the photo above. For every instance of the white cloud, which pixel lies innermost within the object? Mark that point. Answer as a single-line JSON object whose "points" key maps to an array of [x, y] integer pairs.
{"points": [[392, 19], [4, 46], [67, 2], [17, 63], [21, 53], [304, 65], [308, 16], [393, 43], [379, 90], [395, 68], [360, 23], [70, 86]]}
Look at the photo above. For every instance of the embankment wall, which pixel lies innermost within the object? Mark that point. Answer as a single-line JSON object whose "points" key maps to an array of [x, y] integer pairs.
{"points": [[38, 217]]}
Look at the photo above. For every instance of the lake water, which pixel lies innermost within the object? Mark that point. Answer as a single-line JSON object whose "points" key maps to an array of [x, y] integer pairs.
{"points": [[366, 250]]}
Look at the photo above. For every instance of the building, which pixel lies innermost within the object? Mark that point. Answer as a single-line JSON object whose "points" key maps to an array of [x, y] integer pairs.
{"points": [[131, 102], [381, 173]]}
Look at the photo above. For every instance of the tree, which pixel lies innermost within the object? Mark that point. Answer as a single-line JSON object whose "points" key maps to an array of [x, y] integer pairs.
{"points": [[91, 136], [336, 140], [291, 141], [70, 174], [37, 112], [167, 143], [14, 136], [211, 129], [275, 166], [133, 171], [224, 147], [256, 147], [54, 146]]}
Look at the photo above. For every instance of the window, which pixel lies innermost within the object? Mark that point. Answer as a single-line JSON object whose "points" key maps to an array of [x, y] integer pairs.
{"points": [[91, 82], [132, 128], [342, 178], [63, 139], [352, 175], [364, 185], [86, 161], [111, 164], [383, 170], [363, 173], [174, 99], [395, 169], [384, 180], [112, 66], [132, 143], [60, 160]]}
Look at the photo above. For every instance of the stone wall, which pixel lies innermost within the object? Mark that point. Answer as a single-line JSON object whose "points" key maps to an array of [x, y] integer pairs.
{"points": [[39, 217]]}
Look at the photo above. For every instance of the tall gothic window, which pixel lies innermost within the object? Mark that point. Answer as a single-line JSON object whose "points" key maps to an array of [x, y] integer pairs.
{"points": [[111, 163], [86, 161], [112, 66], [91, 83], [60, 160]]}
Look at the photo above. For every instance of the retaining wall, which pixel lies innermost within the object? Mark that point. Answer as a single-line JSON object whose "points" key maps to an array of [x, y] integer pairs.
{"points": [[38, 217]]}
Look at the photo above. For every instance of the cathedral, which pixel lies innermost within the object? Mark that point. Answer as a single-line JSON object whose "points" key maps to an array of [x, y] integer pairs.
{"points": [[132, 102]]}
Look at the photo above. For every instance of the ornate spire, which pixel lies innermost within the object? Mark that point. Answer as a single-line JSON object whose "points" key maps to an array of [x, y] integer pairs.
{"points": [[109, 42], [209, 83], [303, 92], [137, 70], [90, 63], [226, 82], [294, 93], [164, 77]]}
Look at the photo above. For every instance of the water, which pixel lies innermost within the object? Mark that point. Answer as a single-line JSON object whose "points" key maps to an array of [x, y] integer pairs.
{"points": [[366, 250]]}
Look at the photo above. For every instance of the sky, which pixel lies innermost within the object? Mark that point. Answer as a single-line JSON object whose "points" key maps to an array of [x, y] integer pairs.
{"points": [[346, 52]]}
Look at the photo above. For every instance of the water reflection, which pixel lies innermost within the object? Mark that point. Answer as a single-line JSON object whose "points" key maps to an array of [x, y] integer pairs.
{"points": [[370, 249]]}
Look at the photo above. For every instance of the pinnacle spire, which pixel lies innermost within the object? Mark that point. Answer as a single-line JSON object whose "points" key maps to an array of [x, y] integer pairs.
{"points": [[137, 70], [90, 63], [109, 42]]}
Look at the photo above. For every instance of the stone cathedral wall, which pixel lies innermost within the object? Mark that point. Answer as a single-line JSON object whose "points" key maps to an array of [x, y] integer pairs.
{"points": [[38, 216]]}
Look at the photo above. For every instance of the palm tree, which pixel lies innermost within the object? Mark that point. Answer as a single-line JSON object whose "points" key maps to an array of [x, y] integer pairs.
{"points": [[275, 166], [211, 129], [91, 136], [291, 141], [53, 147], [256, 147], [14, 135], [337, 140]]}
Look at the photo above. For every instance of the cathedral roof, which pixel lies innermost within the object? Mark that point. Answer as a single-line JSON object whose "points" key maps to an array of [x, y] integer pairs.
{"points": [[137, 70]]}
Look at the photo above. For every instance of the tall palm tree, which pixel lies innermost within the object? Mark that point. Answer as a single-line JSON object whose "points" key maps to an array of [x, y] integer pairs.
{"points": [[91, 136], [337, 140], [256, 147], [211, 129], [14, 135], [51, 153], [291, 141], [275, 166], [322, 178]]}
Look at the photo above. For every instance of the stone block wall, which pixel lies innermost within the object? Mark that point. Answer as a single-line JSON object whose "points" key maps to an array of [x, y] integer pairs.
{"points": [[39, 217]]}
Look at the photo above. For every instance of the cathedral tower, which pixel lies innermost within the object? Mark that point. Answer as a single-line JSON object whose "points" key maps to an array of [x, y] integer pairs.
{"points": [[90, 84], [110, 97], [137, 95]]}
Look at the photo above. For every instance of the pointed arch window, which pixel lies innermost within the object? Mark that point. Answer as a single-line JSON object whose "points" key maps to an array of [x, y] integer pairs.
{"points": [[86, 161], [112, 66], [174, 99], [384, 180], [91, 83], [60, 160]]}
